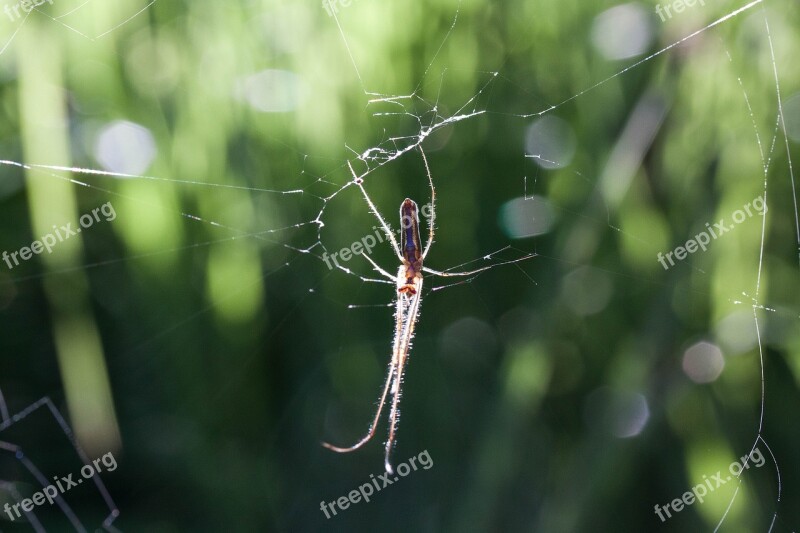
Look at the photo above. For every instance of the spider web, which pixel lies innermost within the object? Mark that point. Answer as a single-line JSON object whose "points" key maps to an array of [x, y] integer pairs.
{"points": [[29, 472], [407, 122]]}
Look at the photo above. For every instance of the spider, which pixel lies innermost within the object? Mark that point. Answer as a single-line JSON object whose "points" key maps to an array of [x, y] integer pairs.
{"points": [[408, 283]]}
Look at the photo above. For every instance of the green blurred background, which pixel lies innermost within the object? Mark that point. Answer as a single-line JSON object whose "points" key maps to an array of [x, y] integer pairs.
{"points": [[200, 337]]}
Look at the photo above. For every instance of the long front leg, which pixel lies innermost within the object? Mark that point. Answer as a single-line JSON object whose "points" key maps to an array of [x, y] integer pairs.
{"points": [[402, 351], [387, 231], [432, 211], [389, 379]]}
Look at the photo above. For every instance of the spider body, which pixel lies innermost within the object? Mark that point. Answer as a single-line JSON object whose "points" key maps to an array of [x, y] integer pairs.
{"points": [[411, 268], [408, 282]]}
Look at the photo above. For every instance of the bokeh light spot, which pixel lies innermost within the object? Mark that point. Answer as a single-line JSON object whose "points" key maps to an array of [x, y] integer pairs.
{"points": [[550, 142], [125, 147], [703, 362], [623, 31]]}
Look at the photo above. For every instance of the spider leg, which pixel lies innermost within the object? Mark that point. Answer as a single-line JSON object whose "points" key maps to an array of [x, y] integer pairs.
{"points": [[477, 270], [373, 426], [455, 274], [432, 218], [389, 378], [379, 269], [360, 183], [401, 351]]}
